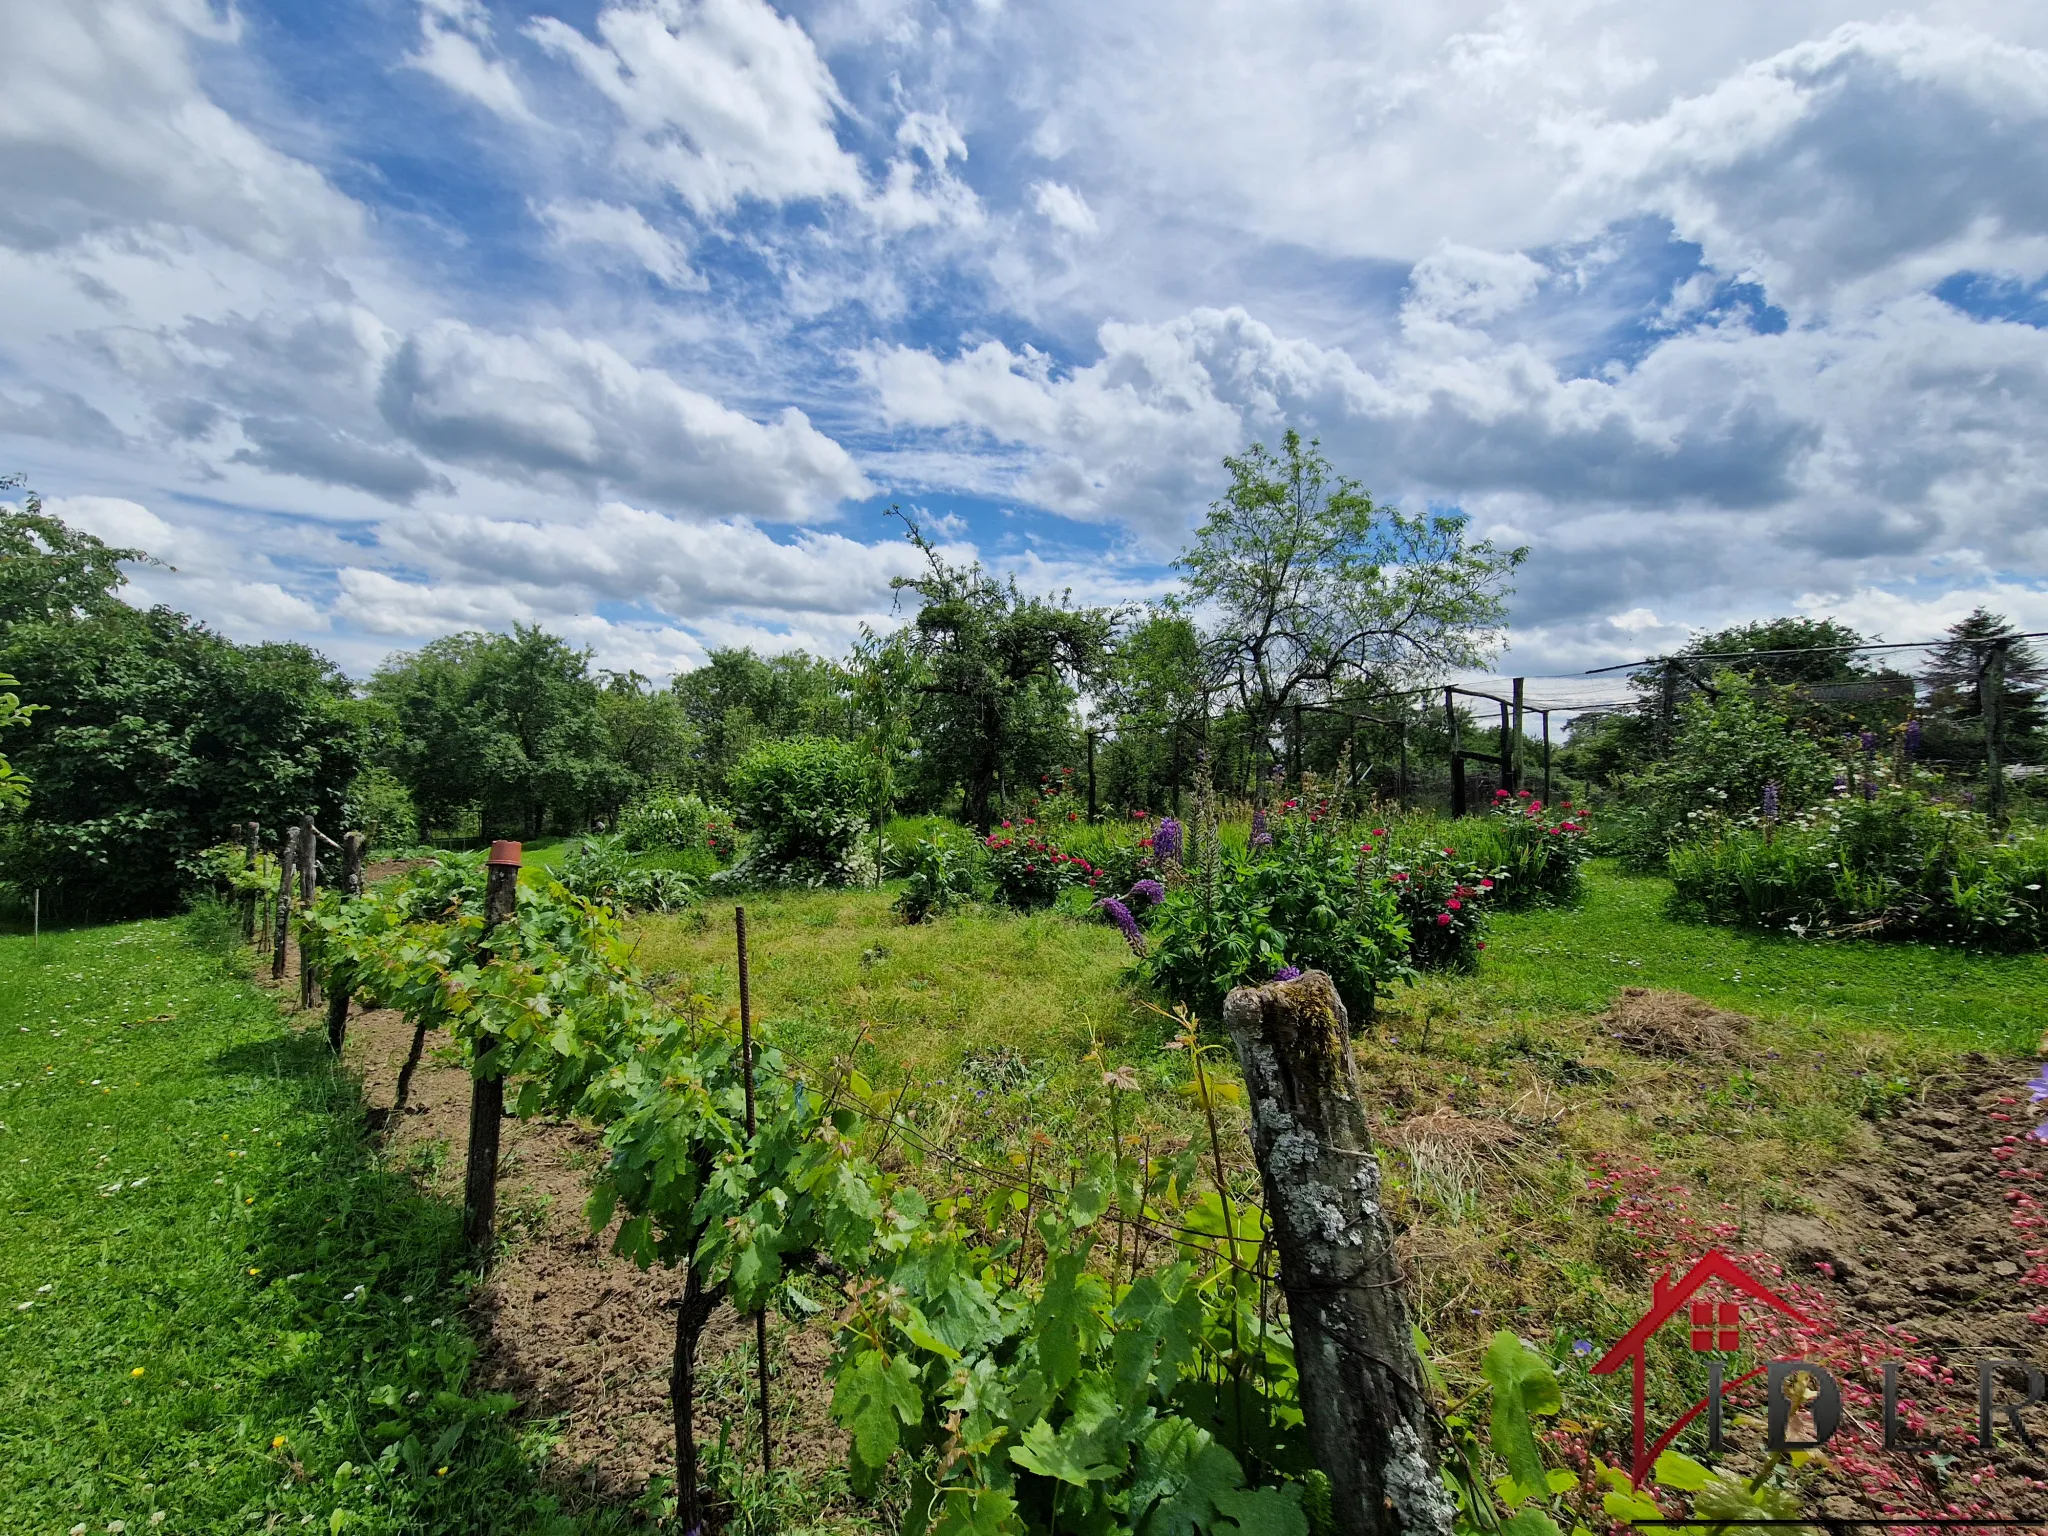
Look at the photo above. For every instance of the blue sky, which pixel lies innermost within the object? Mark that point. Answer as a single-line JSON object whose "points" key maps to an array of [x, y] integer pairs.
{"points": [[630, 317]]}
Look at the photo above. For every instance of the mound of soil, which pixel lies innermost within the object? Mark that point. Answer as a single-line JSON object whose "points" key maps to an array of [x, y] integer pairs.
{"points": [[1675, 1024], [1924, 1236]]}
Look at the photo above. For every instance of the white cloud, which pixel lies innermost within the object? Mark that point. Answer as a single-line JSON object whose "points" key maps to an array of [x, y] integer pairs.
{"points": [[456, 49], [104, 128], [577, 410], [722, 99], [622, 231], [1064, 208]]}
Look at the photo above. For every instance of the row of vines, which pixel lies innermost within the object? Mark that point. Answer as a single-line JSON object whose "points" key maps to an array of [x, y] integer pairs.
{"points": [[1110, 1354]]}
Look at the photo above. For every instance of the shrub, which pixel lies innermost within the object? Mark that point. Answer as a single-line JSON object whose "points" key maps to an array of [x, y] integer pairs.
{"points": [[1726, 750], [1898, 865], [941, 877], [1307, 901], [1534, 853], [602, 869], [1442, 900], [1027, 871], [382, 809], [663, 820], [804, 799]]}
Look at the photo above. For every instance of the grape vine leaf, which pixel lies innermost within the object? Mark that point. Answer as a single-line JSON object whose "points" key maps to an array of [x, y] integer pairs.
{"points": [[871, 1398], [1523, 1385]]}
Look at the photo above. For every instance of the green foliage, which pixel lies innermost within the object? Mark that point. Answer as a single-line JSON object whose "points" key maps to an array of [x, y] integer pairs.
{"points": [[1000, 673], [664, 821], [153, 736], [805, 801], [603, 869], [940, 876], [13, 785], [738, 700], [239, 1316], [1441, 898], [1312, 901], [1027, 871], [509, 727], [381, 808], [1309, 584], [227, 868], [1902, 865], [1726, 750]]}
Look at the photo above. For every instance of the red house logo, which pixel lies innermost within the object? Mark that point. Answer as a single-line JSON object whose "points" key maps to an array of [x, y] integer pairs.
{"points": [[1715, 1327]]}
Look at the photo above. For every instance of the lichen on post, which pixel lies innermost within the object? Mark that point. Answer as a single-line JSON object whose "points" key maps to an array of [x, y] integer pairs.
{"points": [[1361, 1384]]}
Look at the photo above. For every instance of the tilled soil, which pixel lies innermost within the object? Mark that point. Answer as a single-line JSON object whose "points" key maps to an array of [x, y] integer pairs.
{"points": [[583, 1339]]}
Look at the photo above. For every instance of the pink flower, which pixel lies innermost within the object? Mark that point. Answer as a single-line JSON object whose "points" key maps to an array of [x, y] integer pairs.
{"points": [[1365, 847], [1486, 885], [1501, 794], [1443, 919], [1006, 823], [1482, 944], [1454, 904], [1379, 831], [1400, 874], [1450, 853]]}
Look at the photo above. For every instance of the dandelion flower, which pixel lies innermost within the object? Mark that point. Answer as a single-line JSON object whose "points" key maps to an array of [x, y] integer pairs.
{"points": [[136, 1373], [277, 1442]]}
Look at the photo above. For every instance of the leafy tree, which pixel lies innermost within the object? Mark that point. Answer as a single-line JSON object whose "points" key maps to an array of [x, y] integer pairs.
{"points": [[1955, 677], [13, 786], [1002, 673], [647, 732], [885, 679], [1304, 582], [510, 726], [1154, 691], [1744, 648], [738, 699], [804, 800], [153, 737]]}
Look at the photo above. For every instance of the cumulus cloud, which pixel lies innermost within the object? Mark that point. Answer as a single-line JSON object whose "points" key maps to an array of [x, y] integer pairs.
{"points": [[1063, 207], [576, 409], [104, 127], [722, 99]]}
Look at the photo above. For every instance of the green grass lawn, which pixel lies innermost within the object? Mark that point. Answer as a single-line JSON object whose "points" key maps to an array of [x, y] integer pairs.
{"points": [[215, 1306], [1546, 963]]}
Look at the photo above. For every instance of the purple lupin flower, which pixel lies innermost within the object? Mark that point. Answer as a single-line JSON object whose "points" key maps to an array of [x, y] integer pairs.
{"points": [[1869, 789], [1912, 738], [1841, 781], [1166, 841], [1120, 914], [1869, 740], [1261, 836], [1771, 801], [1151, 891], [1286, 973]]}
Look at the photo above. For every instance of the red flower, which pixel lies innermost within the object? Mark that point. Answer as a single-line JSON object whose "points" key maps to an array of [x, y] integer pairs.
{"points": [[1524, 794], [1443, 919], [1482, 944], [1379, 831], [1454, 904], [1501, 794], [1006, 823], [1486, 885], [1400, 874], [1030, 869], [1450, 853]]}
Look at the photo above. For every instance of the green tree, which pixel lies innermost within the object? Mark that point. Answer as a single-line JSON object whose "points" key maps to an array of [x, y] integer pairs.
{"points": [[886, 678], [1154, 692], [1002, 671], [1304, 583], [738, 699], [1955, 678], [647, 732], [509, 726], [13, 785], [153, 736]]}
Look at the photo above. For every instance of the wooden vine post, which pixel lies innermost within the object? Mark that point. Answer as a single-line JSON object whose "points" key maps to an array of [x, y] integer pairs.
{"points": [[281, 926], [739, 923], [352, 888], [309, 883], [250, 851], [1361, 1384], [487, 1087]]}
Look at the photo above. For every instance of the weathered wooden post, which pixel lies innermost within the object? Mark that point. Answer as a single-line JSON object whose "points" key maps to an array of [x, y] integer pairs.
{"points": [[1546, 755], [351, 887], [1511, 754], [352, 864], [250, 834], [487, 1086], [287, 860], [309, 885], [1457, 753], [1091, 777], [1991, 701], [739, 923], [1361, 1384]]}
